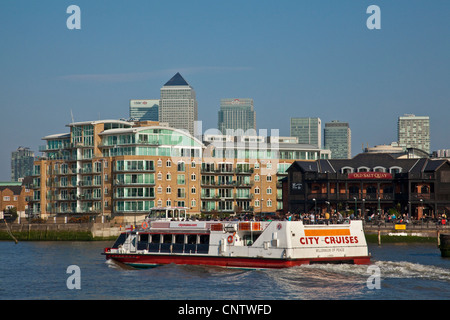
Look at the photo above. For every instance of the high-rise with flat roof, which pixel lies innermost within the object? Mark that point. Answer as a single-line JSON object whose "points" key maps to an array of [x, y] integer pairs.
{"points": [[307, 130], [21, 163], [144, 110], [414, 132], [337, 138], [236, 114], [178, 104]]}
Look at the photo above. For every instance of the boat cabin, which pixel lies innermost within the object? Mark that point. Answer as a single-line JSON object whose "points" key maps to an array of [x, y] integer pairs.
{"points": [[167, 213]]}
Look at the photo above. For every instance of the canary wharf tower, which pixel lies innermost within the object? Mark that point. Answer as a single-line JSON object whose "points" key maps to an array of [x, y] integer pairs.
{"points": [[178, 105]]}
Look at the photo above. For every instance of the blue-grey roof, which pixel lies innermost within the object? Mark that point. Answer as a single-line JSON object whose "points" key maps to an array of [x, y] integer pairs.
{"points": [[177, 80]]}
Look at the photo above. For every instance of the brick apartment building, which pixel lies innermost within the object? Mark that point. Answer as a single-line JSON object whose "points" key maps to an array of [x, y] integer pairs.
{"points": [[122, 168]]}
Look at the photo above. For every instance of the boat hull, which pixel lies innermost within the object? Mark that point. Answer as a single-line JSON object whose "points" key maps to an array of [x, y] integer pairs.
{"points": [[148, 261]]}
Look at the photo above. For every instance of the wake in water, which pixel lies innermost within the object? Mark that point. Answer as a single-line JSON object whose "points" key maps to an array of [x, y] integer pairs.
{"points": [[403, 269], [389, 269]]}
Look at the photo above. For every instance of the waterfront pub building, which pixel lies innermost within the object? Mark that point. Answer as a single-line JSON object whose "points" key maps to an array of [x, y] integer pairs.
{"points": [[370, 183]]}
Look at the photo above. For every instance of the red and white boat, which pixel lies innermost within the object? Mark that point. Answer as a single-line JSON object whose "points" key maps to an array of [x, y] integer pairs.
{"points": [[166, 236]]}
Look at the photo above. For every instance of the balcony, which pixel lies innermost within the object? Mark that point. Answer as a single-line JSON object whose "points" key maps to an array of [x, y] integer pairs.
{"points": [[243, 171]]}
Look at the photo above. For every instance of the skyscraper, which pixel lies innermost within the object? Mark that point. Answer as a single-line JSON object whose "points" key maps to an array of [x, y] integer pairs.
{"points": [[414, 132], [178, 104], [236, 114], [307, 130], [144, 110], [21, 163], [337, 138]]}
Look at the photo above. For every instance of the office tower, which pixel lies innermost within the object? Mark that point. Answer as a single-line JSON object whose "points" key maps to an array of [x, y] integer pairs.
{"points": [[144, 110], [414, 132], [178, 105], [236, 114], [21, 163], [337, 138], [307, 130]]}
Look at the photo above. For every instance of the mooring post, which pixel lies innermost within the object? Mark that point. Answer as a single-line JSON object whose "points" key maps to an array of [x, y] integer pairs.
{"points": [[379, 236], [438, 237]]}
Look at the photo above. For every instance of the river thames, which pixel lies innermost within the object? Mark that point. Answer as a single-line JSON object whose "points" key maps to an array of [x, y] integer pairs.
{"points": [[41, 271]]}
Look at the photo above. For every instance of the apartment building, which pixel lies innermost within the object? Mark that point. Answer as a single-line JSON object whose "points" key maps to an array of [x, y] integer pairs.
{"points": [[15, 195], [121, 168]]}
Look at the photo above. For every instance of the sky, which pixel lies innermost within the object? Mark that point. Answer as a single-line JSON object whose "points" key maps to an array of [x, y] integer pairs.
{"points": [[293, 58]]}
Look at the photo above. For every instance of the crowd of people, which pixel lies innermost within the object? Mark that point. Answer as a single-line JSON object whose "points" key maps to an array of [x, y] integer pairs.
{"points": [[335, 218]]}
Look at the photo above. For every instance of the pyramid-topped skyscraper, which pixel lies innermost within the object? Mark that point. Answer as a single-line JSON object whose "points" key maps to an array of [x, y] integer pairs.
{"points": [[178, 105]]}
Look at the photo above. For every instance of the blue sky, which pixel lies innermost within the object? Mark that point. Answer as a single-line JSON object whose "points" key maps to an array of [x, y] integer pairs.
{"points": [[294, 58]]}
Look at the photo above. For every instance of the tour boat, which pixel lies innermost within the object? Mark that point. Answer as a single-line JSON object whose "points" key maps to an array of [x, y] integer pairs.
{"points": [[166, 236]]}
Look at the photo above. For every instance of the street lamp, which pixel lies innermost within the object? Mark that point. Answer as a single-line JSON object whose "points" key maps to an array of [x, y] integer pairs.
{"points": [[356, 207], [379, 207], [315, 209], [363, 213], [421, 207], [409, 210]]}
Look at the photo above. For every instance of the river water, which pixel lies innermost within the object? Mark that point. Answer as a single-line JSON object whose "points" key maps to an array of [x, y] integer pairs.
{"points": [[39, 271]]}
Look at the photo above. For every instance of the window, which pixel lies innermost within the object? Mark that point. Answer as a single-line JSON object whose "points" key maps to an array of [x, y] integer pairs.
{"points": [[6, 198], [256, 190], [269, 178], [168, 163], [269, 190], [168, 190], [181, 166], [193, 190], [156, 238], [180, 203], [395, 169], [269, 203], [168, 177], [193, 177], [181, 179], [347, 170]]}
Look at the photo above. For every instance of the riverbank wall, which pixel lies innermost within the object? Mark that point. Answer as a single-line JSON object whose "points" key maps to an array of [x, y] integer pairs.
{"points": [[402, 233], [59, 231]]}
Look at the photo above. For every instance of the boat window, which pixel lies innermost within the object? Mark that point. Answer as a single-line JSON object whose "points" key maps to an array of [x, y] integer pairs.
{"points": [[143, 237], [179, 238], [192, 239], [167, 238], [156, 238], [204, 239], [119, 241]]}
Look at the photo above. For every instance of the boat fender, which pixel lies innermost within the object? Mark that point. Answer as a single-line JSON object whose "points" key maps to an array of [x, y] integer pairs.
{"points": [[144, 225], [230, 239]]}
